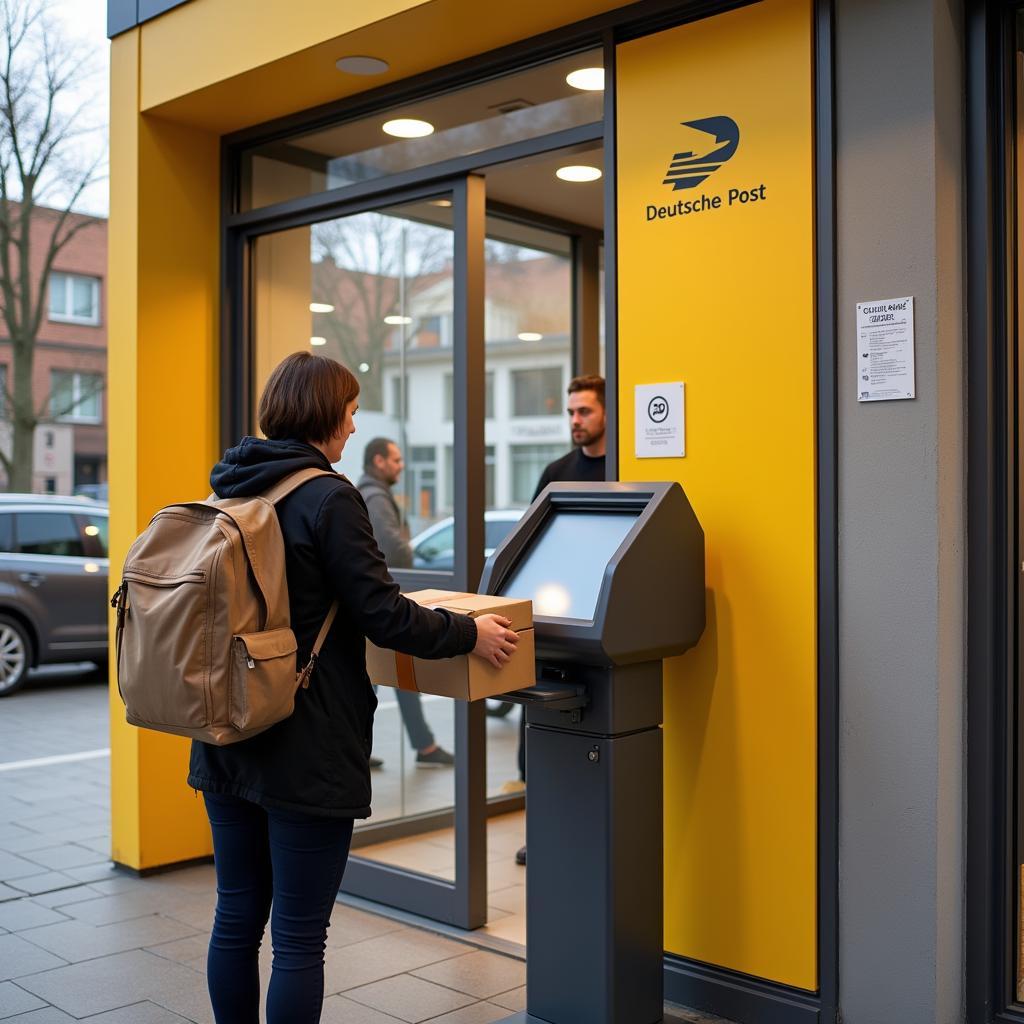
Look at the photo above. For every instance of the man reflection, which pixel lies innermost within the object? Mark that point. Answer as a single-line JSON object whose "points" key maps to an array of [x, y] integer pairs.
{"points": [[586, 463], [382, 466]]}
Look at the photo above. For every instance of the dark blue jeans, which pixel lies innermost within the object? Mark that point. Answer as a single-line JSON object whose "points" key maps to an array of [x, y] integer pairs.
{"points": [[281, 865]]}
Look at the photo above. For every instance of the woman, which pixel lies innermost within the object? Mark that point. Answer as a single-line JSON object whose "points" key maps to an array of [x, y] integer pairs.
{"points": [[282, 804]]}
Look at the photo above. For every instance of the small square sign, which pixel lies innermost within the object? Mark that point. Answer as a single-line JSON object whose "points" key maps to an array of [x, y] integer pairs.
{"points": [[661, 421]]}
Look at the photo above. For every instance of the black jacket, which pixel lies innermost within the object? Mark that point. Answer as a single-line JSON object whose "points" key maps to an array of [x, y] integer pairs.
{"points": [[576, 466], [316, 761]]}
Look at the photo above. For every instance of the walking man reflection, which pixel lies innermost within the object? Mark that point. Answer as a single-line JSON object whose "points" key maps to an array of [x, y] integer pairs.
{"points": [[382, 467]]}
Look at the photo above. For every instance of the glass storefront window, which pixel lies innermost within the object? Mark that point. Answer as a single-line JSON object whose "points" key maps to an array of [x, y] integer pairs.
{"points": [[506, 109], [528, 332], [374, 291]]}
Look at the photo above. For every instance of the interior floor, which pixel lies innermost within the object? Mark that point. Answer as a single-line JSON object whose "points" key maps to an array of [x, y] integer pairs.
{"points": [[434, 852]]}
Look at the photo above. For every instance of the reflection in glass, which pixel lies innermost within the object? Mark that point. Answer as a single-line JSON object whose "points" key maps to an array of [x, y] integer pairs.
{"points": [[374, 291], [528, 331]]}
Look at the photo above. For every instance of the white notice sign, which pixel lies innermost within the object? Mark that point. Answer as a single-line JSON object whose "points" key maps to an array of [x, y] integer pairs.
{"points": [[660, 421], [885, 350]]}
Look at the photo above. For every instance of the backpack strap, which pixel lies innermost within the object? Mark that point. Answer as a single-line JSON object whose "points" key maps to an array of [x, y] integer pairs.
{"points": [[284, 487], [314, 657], [275, 494]]}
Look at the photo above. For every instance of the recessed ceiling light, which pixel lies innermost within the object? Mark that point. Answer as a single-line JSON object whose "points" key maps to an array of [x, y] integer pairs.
{"points": [[440, 202], [530, 336], [317, 341], [396, 320], [578, 172], [92, 531], [364, 367], [408, 128], [321, 307], [588, 79], [362, 65]]}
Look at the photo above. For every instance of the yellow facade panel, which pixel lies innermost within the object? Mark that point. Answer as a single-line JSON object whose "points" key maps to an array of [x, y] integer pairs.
{"points": [[719, 294], [245, 69], [164, 409]]}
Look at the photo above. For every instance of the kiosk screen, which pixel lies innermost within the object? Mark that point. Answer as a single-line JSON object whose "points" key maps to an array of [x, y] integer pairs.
{"points": [[562, 569]]}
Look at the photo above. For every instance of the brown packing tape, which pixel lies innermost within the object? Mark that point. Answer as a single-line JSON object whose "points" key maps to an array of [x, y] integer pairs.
{"points": [[406, 669]]}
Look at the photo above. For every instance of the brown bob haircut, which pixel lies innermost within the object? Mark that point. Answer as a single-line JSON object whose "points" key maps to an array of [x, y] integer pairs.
{"points": [[591, 382], [306, 398]]}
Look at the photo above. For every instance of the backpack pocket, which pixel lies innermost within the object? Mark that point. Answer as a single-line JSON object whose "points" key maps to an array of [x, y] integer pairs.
{"points": [[163, 657], [263, 679]]}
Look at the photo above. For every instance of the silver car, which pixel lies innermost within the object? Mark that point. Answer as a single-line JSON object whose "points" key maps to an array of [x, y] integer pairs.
{"points": [[53, 583]]}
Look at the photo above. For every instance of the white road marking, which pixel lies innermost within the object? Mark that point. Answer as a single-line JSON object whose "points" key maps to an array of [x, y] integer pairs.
{"points": [[42, 762]]}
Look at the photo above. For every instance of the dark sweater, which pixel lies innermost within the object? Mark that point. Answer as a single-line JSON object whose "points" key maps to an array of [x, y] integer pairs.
{"points": [[316, 761], [576, 466]]}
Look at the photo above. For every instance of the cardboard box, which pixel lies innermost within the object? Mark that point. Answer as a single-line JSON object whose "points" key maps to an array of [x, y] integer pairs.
{"points": [[464, 677]]}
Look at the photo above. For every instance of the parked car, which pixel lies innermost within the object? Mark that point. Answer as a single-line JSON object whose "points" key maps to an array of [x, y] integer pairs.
{"points": [[434, 548], [53, 583]]}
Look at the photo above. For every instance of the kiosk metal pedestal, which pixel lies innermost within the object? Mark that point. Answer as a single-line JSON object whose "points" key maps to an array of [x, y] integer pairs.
{"points": [[623, 565]]}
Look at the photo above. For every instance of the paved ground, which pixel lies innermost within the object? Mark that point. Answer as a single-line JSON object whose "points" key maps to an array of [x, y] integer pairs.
{"points": [[81, 941]]}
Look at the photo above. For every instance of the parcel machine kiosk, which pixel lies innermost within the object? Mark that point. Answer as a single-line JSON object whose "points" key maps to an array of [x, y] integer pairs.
{"points": [[616, 575]]}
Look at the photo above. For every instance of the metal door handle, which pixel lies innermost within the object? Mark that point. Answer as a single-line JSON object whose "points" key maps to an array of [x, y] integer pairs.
{"points": [[33, 579]]}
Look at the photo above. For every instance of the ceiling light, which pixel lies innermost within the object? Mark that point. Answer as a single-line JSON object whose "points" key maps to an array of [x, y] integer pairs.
{"points": [[321, 307], [362, 65], [364, 367], [530, 336], [92, 531], [588, 79], [317, 341], [578, 172], [396, 320], [408, 128], [440, 202], [91, 567]]}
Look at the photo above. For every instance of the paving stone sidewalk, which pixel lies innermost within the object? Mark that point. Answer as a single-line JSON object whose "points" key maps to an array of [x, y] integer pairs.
{"points": [[81, 941]]}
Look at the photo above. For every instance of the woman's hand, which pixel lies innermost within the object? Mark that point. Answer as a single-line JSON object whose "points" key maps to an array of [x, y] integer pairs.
{"points": [[495, 642]]}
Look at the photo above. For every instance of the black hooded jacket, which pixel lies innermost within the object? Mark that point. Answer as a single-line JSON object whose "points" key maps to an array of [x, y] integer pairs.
{"points": [[316, 761]]}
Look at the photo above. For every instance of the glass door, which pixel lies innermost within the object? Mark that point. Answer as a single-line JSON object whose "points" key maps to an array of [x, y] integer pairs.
{"points": [[390, 290]]}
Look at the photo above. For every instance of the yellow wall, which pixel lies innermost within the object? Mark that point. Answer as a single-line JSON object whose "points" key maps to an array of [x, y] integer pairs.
{"points": [[723, 300], [164, 408], [280, 57]]}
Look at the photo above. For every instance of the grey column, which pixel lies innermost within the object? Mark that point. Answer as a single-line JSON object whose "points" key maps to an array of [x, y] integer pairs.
{"points": [[899, 135]]}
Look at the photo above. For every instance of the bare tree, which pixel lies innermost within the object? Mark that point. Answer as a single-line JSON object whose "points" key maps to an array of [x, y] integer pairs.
{"points": [[42, 176], [379, 263]]}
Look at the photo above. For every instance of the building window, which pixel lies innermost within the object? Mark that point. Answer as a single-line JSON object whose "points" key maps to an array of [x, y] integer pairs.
{"points": [[74, 298], [537, 392], [528, 462], [76, 397], [449, 476], [447, 396]]}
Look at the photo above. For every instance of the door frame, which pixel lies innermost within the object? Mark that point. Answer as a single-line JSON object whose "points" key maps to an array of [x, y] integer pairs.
{"points": [[717, 989]]}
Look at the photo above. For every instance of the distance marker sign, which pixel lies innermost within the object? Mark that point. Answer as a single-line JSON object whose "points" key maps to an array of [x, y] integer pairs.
{"points": [[660, 421]]}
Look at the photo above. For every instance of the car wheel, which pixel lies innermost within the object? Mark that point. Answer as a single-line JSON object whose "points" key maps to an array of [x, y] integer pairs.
{"points": [[14, 655]]}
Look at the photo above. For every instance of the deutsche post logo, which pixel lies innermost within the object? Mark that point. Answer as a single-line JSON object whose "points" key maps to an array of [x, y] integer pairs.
{"points": [[689, 169]]}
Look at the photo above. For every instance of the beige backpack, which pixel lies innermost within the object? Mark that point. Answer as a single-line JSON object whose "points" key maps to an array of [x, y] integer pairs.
{"points": [[204, 642]]}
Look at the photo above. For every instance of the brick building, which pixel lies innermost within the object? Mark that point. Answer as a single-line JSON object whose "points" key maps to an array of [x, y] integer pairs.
{"points": [[70, 366]]}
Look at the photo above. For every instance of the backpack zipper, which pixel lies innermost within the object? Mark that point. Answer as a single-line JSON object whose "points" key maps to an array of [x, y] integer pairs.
{"points": [[245, 652]]}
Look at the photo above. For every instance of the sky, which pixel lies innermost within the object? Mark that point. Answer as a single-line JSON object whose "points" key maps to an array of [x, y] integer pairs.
{"points": [[85, 21]]}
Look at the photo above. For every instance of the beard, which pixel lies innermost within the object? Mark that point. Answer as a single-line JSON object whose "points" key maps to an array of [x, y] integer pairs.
{"points": [[583, 438]]}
